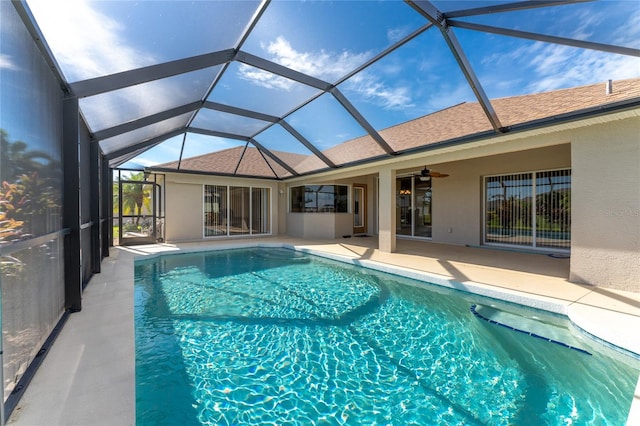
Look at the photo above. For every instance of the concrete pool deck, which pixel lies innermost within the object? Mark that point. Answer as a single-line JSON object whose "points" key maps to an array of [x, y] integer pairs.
{"points": [[88, 376]]}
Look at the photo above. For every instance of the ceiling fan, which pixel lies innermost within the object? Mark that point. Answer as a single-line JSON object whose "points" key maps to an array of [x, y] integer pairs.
{"points": [[426, 174]]}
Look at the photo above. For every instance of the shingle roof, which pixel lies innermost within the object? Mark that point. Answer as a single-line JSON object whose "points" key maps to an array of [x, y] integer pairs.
{"points": [[225, 162], [468, 118], [458, 121]]}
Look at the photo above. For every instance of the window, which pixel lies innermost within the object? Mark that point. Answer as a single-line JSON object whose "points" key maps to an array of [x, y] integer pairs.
{"points": [[529, 209], [236, 210], [319, 199]]}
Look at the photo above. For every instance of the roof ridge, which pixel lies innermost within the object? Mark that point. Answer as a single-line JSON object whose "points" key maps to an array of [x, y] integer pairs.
{"points": [[221, 150]]}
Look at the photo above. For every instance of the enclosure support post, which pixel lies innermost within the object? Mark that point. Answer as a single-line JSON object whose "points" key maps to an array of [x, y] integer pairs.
{"points": [[94, 171], [71, 205], [106, 219]]}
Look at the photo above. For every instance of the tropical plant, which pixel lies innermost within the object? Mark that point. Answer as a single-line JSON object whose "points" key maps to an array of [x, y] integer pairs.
{"points": [[41, 195], [10, 228], [29, 200], [136, 196], [16, 160], [30, 196], [31, 188]]}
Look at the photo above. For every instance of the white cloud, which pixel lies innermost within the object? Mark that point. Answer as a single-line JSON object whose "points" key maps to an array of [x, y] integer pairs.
{"points": [[146, 162], [586, 21], [264, 78], [327, 65], [85, 42], [330, 66], [536, 66], [557, 66], [372, 89], [396, 34], [542, 67], [561, 66], [628, 33], [7, 64]]}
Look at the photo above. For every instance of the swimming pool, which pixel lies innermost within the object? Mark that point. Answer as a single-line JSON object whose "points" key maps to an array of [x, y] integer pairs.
{"points": [[274, 336]]}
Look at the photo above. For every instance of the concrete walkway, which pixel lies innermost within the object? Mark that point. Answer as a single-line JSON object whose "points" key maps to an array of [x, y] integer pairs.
{"points": [[88, 377]]}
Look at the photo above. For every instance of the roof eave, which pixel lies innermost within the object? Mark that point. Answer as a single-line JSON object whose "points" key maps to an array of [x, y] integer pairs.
{"points": [[552, 121], [155, 169]]}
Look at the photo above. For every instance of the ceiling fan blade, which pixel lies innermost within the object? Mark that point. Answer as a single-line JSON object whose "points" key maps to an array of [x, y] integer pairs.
{"points": [[438, 175]]}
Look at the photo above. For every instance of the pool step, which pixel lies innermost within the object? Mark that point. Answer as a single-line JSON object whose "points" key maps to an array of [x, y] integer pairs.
{"points": [[524, 324]]}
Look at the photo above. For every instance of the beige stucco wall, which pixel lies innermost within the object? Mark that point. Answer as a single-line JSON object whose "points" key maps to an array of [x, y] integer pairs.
{"points": [[183, 215], [605, 205], [322, 226], [184, 203]]}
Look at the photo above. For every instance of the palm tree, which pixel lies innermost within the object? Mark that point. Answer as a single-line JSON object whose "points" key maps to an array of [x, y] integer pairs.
{"points": [[136, 196], [16, 160]]}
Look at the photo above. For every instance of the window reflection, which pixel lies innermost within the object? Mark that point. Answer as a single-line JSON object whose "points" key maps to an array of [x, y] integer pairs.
{"points": [[508, 209], [32, 273], [239, 210], [319, 199], [215, 206], [413, 207], [30, 133], [422, 208], [404, 218], [553, 209], [510, 205], [260, 211], [30, 195]]}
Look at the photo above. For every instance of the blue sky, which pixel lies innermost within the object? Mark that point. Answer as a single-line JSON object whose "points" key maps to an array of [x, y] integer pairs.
{"points": [[325, 39]]}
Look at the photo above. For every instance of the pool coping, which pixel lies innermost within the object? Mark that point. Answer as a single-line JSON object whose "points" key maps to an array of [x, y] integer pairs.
{"points": [[96, 347]]}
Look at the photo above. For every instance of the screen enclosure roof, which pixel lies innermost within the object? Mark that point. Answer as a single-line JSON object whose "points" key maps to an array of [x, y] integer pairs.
{"points": [[285, 88]]}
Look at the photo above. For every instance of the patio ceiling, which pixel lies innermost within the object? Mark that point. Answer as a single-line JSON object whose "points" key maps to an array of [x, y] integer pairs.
{"points": [[280, 83]]}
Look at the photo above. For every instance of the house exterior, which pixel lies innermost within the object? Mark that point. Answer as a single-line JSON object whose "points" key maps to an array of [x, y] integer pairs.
{"points": [[562, 178]]}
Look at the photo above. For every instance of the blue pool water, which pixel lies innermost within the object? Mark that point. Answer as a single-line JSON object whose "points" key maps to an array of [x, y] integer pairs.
{"points": [[273, 336]]}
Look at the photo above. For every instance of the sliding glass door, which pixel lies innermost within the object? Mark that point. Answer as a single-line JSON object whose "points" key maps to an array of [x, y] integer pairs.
{"points": [[260, 212], [529, 209], [422, 209], [414, 206], [236, 210]]}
